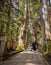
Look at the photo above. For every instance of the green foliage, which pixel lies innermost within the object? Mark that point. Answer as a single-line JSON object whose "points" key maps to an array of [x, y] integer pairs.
{"points": [[40, 47], [49, 45], [25, 1], [34, 7], [20, 48], [14, 28], [29, 36], [3, 18]]}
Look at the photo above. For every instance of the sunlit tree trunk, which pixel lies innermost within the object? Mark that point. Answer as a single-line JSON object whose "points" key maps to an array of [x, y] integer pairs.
{"points": [[43, 38], [46, 19], [42, 23], [20, 40], [50, 13], [34, 35], [26, 24]]}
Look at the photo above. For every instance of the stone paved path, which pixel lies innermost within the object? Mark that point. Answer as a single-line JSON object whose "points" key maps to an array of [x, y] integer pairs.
{"points": [[26, 58]]}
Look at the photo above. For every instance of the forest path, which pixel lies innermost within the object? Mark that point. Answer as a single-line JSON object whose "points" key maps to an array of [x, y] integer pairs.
{"points": [[26, 58]]}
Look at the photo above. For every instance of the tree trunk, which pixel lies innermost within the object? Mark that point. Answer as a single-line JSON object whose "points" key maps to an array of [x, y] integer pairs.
{"points": [[43, 38], [46, 19], [9, 25], [26, 24], [34, 35], [21, 34]]}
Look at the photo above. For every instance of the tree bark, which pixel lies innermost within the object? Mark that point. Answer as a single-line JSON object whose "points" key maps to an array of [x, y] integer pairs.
{"points": [[46, 19], [9, 25], [26, 24]]}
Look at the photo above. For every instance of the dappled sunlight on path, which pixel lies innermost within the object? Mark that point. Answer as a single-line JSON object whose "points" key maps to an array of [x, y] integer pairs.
{"points": [[26, 58]]}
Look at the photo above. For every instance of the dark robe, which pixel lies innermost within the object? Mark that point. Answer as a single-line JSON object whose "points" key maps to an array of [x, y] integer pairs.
{"points": [[34, 45]]}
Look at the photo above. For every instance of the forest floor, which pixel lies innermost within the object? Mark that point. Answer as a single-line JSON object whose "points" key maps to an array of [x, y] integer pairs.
{"points": [[26, 58]]}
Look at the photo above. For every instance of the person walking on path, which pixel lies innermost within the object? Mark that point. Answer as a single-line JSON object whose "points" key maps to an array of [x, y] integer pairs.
{"points": [[34, 45]]}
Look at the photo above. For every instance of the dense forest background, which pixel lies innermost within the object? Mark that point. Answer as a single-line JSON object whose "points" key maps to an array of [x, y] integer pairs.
{"points": [[24, 21]]}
